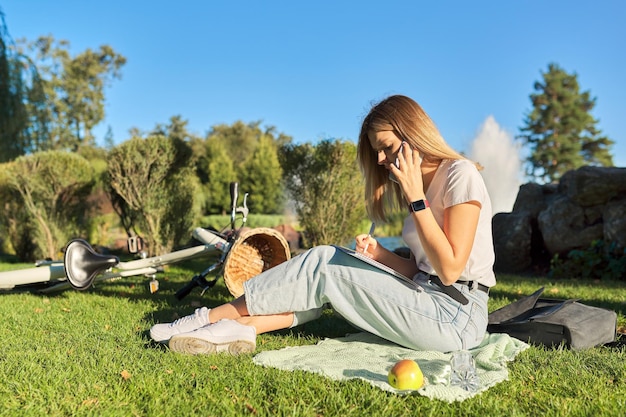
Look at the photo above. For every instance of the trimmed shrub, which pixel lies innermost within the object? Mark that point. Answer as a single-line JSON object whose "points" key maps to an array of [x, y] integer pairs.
{"points": [[327, 190], [45, 202], [153, 189]]}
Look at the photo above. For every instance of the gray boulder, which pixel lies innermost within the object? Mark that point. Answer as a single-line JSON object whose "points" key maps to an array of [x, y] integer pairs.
{"points": [[586, 205], [512, 233]]}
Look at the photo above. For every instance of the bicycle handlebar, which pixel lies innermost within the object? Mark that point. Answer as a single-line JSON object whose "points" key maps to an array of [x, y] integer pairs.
{"points": [[210, 238], [234, 195], [196, 281]]}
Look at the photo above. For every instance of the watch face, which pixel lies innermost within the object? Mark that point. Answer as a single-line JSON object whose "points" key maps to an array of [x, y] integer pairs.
{"points": [[418, 205]]}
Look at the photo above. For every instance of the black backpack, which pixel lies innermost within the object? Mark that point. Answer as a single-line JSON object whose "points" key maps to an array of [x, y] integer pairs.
{"points": [[548, 322]]}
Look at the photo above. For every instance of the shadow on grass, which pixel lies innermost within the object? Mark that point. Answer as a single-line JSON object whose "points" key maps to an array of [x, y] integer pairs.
{"points": [[168, 308]]}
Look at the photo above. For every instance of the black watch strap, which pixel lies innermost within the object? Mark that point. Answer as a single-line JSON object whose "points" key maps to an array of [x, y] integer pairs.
{"points": [[418, 205]]}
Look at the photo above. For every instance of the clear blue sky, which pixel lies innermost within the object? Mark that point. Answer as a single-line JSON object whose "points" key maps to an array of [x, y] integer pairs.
{"points": [[311, 69]]}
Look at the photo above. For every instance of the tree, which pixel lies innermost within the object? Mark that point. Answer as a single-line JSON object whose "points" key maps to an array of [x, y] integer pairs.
{"points": [[560, 129], [19, 85], [261, 176], [153, 189], [219, 173], [241, 139], [44, 196], [327, 189], [175, 130], [249, 152], [73, 88]]}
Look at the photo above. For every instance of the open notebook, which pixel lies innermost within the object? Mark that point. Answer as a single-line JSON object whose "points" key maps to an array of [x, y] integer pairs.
{"points": [[372, 262]]}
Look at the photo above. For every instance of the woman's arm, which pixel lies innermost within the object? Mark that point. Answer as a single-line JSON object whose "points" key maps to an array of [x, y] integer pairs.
{"points": [[405, 266], [448, 250]]}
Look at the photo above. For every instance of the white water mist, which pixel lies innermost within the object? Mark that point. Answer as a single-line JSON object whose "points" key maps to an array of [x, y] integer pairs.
{"points": [[496, 151]]}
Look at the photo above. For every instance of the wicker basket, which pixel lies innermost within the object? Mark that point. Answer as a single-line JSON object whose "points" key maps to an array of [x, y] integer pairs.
{"points": [[255, 251]]}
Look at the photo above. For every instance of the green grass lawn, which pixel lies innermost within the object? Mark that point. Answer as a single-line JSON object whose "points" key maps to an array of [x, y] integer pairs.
{"points": [[88, 353]]}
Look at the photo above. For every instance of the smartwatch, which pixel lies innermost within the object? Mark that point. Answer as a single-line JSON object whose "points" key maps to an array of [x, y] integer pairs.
{"points": [[418, 205]]}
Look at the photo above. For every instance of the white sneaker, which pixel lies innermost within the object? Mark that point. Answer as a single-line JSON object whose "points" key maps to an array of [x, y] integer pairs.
{"points": [[223, 336], [163, 332]]}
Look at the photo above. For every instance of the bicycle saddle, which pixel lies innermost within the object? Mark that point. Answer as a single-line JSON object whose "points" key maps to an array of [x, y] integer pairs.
{"points": [[83, 264]]}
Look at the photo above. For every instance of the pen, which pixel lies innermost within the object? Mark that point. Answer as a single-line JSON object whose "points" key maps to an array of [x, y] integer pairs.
{"points": [[371, 232]]}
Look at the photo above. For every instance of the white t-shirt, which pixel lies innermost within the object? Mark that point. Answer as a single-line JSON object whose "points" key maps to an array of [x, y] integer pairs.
{"points": [[457, 182]]}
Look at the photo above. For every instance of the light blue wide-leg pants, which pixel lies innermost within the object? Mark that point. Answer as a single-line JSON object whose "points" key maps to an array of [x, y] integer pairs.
{"points": [[416, 315]]}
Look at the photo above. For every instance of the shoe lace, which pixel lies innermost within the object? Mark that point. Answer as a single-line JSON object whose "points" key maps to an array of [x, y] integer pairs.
{"points": [[185, 319]]}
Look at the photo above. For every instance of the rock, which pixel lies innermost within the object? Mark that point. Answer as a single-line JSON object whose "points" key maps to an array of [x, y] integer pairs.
{"points": [[614, 216], [587, 204], [590, 186], [512, 234], [533, 198], [564, 226]]}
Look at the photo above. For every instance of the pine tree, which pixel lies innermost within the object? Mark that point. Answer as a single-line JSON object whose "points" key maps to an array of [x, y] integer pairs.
{"points": [[261, 176], [13, 117], [560, 129], [220, 172]]}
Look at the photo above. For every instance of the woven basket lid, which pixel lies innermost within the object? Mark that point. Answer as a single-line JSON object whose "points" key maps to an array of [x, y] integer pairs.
{"points": [[254, 251]]}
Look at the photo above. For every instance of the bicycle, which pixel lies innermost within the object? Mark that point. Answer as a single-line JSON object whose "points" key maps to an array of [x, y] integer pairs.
{"points": [[243, 255]]}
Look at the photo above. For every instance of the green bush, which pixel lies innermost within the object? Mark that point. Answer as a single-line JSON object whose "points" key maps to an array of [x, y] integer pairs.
{"points": [[216, 173], [327, 189], [599, 261], [153, 189], [44, 197], [261, 176]]}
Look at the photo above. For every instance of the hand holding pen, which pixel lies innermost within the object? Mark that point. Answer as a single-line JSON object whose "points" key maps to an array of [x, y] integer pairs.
{"points": [[369, 235]]}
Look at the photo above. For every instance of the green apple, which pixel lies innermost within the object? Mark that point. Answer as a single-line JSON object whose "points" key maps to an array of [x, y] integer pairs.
{"points": [[406, 375]]}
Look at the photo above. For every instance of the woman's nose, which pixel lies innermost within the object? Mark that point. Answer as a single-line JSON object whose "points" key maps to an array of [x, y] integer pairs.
{"points": [[382, 158]]}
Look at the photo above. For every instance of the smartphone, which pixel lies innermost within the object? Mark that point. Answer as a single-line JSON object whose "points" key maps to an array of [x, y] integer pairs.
{"points": [[397, 164]]}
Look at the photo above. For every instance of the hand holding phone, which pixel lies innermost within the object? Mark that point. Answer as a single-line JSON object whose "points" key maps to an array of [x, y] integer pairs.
{"points": [[397, 164], [399, 152]]}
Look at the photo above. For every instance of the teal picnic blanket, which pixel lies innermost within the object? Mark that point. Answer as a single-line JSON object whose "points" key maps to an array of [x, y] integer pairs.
{"points": [[368, 357]]}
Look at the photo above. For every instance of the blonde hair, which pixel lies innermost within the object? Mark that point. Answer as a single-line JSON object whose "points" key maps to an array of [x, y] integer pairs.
{"points": [[410, 122]]}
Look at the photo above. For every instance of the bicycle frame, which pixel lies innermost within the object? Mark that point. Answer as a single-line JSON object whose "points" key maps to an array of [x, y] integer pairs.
{"points": [[53, 275], [54, 272], [44, 272]]}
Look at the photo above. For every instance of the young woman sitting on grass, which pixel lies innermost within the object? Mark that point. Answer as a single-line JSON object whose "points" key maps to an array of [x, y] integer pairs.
{"points": [[407, 163]]}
